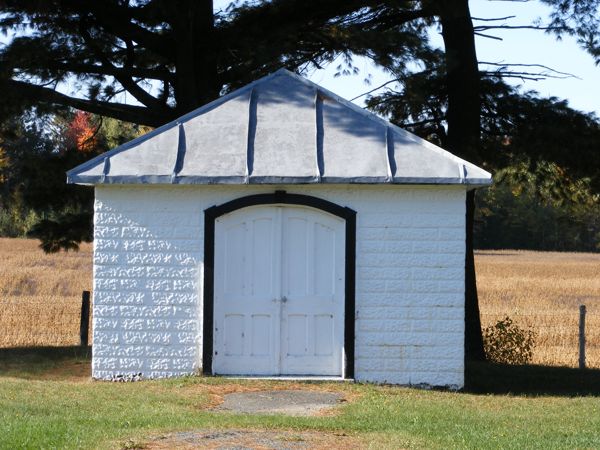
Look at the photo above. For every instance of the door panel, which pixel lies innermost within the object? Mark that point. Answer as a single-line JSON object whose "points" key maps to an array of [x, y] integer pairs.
{"points": [[324, 260], [297, 334], [313, 286], [261, 335], [279, 292], [233, 330], [324, 335], [247, 273], [234, 240], [262, 258], [296, 235]]}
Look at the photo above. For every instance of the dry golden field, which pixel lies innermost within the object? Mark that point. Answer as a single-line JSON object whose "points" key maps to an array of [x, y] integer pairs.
{"points": [[40, 296], [543, 290]]}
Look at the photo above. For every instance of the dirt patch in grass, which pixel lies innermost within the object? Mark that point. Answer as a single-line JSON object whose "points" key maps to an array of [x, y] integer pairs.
{"points": [[299, 402], [218, 391], [254, 439]]}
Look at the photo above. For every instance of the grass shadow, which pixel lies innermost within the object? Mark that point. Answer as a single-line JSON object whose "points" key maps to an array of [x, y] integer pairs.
{"points": [[44, 362], [63, 363], [489, 378]]}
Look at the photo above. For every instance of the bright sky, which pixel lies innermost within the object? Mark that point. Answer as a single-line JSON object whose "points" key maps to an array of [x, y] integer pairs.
{"points": [[517, 46]]}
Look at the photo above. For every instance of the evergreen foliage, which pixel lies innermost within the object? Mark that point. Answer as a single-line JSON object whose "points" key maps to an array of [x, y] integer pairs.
{"points": [[580, 19], [174, 56], [37, 151]]}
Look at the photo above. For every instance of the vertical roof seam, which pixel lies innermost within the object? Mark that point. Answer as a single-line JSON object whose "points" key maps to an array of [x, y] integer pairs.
{"points": [[462, 173], [252, 123], [389, 151], [181, 149], [319, 134], [105, 169]]}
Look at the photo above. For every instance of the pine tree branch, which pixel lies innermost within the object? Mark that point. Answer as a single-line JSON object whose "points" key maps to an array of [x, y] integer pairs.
{"points": [[423, 122], [113, 17], [541, 66], [494, 19], [375, 89], [517, 27], [488, 36], [114, 71], [122, 77], [532, 76], [117, 21], [23, 91], [399, 18]]}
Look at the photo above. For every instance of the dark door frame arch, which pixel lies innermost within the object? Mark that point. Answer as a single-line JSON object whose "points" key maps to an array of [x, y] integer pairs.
{"points": [[278, 197]]}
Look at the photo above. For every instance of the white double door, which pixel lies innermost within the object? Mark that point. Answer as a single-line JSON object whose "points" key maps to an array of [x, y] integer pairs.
{"points": [[279, 292]]}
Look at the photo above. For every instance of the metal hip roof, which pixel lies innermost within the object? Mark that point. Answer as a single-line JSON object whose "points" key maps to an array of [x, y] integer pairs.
{"points": [[279, 129]]}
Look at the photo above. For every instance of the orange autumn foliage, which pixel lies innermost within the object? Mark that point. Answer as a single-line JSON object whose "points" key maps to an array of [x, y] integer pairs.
{"points": [[80, 132]]}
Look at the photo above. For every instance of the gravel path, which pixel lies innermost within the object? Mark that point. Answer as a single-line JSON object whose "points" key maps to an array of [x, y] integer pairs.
{"points": [[253, 440], [289, 402]]}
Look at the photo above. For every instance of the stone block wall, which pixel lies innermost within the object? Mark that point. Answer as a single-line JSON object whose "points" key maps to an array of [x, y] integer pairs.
{"points": [[148, 269]]}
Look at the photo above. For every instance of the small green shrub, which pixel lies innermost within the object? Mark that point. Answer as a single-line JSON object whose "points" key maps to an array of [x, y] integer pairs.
{"points": [[507, 343], [16, 222]]}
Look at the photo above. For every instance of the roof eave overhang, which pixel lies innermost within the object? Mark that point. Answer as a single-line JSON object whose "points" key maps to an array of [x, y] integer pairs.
{"points": [[229, 180]]}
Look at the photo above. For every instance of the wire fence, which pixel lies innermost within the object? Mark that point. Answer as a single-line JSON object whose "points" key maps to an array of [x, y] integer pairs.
{"points": [[557, 333], [60, 321]]}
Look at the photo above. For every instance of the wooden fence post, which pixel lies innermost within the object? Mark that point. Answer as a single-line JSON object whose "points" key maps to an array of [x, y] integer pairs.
{"points": [[84, 326], [582, 336]]}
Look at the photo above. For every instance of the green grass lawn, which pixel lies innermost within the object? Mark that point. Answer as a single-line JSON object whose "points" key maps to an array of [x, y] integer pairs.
{"points": [[48, 401]]}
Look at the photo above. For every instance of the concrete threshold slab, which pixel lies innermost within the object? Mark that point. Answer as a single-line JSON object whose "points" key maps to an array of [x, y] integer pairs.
{"points": [[285, 378]]}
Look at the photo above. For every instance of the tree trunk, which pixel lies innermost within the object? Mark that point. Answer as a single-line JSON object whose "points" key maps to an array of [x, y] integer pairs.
{"points": [[473, 338], [462, 77], [196, 76]]}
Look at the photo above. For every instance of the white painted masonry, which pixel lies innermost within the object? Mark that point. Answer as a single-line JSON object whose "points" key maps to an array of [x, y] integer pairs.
{"points": [[410, 255]]}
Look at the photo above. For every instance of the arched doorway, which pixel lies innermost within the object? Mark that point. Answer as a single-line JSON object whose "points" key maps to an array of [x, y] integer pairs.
{"points": [[279, 287]]}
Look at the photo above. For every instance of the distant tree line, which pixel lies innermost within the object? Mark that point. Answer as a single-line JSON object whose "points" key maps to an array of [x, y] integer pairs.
{"points": [[532, 205], [523, 210]]}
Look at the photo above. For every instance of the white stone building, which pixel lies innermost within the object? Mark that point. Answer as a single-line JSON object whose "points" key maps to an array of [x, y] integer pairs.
{"points": [[280, 230]]}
